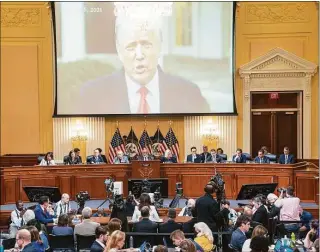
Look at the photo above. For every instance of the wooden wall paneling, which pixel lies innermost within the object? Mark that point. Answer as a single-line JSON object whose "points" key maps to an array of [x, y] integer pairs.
{"points": [[229, 188], [93, 184], [65, 185], [307, 186], [284, 181], [10, 191], [193, 185]]}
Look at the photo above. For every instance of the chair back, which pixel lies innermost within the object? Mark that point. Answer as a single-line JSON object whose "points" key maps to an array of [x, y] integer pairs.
{"points": [[9, 243], [61, 241], [65, 159], [248, 156], [85, 241], [272, 157], [89, 158], [39, 159]]}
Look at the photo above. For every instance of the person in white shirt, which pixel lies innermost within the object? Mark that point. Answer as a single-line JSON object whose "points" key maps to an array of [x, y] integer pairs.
{"points": [[186, 211], [145, 200], [62, 206], [47, 160], [17, 219]]}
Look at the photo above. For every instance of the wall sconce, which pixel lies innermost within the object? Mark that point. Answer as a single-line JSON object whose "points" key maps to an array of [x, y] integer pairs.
{"points": [[210, 132]]}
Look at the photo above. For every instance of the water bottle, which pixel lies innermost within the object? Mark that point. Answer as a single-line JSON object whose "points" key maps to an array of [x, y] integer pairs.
{"points": [[285, 241], [131, 242], [293, 240], [1, 246]]}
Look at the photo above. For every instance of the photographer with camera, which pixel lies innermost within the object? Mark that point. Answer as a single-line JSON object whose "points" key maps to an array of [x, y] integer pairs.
{"points": [[289, 208]]}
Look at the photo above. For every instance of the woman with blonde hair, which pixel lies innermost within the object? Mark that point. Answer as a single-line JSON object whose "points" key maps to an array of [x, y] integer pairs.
{"points": [[115, 241], [260, 231], [204, 236]]}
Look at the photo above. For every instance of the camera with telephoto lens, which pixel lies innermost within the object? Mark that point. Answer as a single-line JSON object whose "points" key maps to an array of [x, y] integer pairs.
{"points": [[82, 197], [145, 186], [179, 189], [118, 201], [281, 189]]}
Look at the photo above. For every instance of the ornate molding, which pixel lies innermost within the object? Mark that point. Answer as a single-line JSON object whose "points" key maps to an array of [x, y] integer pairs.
{"points": [[20, 17], [277, 13]]}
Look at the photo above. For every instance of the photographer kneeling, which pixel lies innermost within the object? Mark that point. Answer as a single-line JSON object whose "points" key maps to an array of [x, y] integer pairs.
{"points": [[289, 209]]}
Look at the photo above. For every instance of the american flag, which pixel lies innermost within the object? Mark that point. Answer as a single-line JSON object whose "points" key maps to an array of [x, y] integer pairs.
{"points": [[145, 142], [115, 145], [171, 143], [158, 138]]}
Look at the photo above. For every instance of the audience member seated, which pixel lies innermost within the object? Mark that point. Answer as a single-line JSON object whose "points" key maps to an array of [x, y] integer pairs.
{"points": [[260, 214], [178, 237], [77, 151], [72, 159], [186, 211], [96, 158], [188, 227], [204, 236], [188, 246], [207, 208], [261, 158], [215, 158], [205, 155], [23, 241], [306, 219], [312, 235], [41, 211], [289, 209], [259, 244], [286, 157], [47, 160], [100, 213], [62, 206], [145, 156], [168, 157], [101, 239], [273, 210], [120, 158], [62, 228], [115, 241], [257, 231], [160, 248], [113, 225], [87, 227], [239, 157], [145, 200], [239, 235], [17, 220], [194, 157], [170, 225], [36, 241], [145, 225], [42, 235]]}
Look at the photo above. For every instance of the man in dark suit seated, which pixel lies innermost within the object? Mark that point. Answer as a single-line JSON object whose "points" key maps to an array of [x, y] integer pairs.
{"points": [[104, 158], [239, 235], [101, 238], [96, 158], [41, 213], [77, 152], [261, 158], [145, 225], [188, 227], [239, 157], [145, 155], [170, 225], [194, 157], [205, 155], [168, 157], [261, 213], [286, 157], [215, 158], [141, 86]]}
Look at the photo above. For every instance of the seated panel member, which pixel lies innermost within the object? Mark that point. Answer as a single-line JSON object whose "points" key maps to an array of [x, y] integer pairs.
{"points": [[215, 158], [168, 157], [77, 151], [121, 158], [205, 155], [286, 157], [145, 155], [104, 158], [261, 158], [194, 157], [47, 160], [72, 159], [96, 158], [239, 157]]}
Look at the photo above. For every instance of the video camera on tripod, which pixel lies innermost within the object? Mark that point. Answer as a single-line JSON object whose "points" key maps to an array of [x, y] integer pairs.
{"points": [[109, 182], [179, 189]]}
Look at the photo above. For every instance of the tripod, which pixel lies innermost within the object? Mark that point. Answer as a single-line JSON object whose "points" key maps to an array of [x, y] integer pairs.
{"points": [[109, 193], [176, 200]]}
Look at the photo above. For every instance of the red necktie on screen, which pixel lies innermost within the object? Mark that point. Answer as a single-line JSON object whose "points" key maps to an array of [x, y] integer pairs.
{"points": [[143, 105]]}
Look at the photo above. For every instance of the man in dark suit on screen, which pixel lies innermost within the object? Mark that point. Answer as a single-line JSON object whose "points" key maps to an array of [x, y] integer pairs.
{"points": [[141, 87]]}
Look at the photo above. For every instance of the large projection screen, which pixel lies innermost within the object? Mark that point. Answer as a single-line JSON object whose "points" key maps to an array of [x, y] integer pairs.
{"points": [[128, 58]]}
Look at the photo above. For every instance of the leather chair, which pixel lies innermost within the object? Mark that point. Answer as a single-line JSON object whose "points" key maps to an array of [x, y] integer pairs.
{"points": [[85, 242], [224, 157], [248, 156], [272, 157], [61, 242], [39, 159], [89, 159], [65, 159]]}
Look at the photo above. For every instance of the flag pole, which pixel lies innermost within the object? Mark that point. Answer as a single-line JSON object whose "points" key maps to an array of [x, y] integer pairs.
{"points": [[158, 132]]}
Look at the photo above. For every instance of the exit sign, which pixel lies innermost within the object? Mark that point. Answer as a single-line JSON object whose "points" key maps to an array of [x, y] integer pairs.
{"points": [[273, 96]]}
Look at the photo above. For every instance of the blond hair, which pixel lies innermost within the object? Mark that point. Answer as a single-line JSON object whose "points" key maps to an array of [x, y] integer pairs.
{"points": [[203, 230], [259, 231], [114, 239]]}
